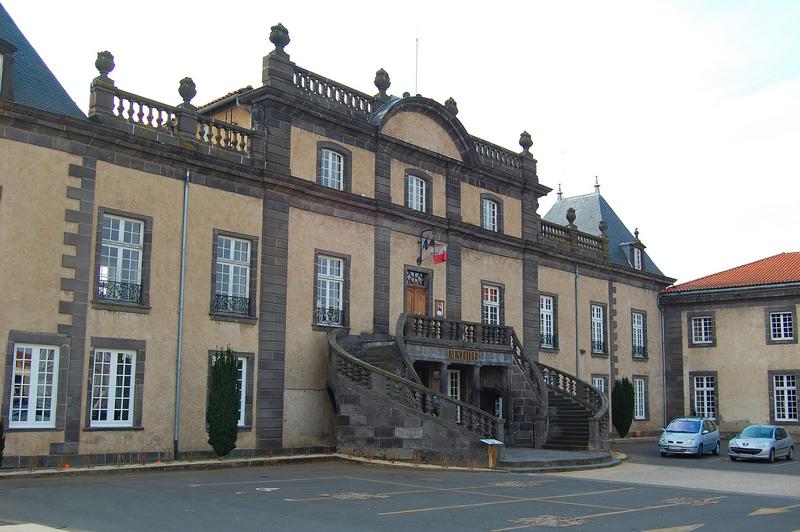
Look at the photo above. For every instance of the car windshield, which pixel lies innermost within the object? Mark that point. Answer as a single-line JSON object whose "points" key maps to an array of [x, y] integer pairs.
{"points": [[756, 432], [683, 425]]}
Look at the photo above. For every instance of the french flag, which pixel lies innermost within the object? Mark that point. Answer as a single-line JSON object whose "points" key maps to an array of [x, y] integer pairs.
{"points": [[440, 254]]}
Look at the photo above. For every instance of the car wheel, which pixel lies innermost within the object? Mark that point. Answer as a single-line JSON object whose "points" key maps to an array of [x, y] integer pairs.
{"points": [[700, 450], [771, 458], [733, 458], [790, 454], [716, 449]]}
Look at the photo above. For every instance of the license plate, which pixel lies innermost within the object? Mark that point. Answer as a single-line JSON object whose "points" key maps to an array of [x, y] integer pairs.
{"points": [[673, 448]]}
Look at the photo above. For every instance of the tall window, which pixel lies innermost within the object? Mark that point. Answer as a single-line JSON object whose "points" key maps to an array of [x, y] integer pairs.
{"points": [[330, 289], [599, 382], [547, 333], [701, 330], [490, 216], [113, 388], [705, 403], [491, 304], [232, 291], [332, 171], [639, 398], [241, 378], [120, 274], [637, 258], [33, 386], [598, 329], [416, 193], [638, 335], [785, 390], [781, 326]]}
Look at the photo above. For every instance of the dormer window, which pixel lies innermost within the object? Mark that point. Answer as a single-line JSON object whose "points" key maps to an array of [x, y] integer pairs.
{"points": [[637, 258], [6, 60]]}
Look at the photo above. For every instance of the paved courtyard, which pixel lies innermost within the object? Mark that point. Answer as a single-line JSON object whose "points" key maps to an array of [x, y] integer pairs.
{"points": [[346, 496]]}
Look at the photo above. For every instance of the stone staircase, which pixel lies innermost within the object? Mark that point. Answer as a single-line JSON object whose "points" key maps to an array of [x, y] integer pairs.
{"points": [[568, 423]]}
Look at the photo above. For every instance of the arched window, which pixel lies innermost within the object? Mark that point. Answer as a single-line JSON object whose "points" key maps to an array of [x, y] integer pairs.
{"points": [[334, 166], [491, 213]]}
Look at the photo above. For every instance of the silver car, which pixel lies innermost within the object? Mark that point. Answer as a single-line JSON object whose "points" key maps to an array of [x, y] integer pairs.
{"points": [[765, 442], [690, 435]]}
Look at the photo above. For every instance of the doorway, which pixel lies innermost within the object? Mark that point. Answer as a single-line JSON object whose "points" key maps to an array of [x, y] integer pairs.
{"points": [[416, 295]]}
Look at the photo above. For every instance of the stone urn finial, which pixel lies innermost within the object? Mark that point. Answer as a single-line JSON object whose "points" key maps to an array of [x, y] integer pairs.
{"points": [[603, 226], [279, 36], [451, 106], [382, 82], [525, 141], [187, 90], [571, 216], [104, 63]]}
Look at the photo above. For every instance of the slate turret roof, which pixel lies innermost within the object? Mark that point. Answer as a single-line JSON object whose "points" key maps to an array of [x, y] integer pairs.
{"points": [[34, 84], [589, 210]]}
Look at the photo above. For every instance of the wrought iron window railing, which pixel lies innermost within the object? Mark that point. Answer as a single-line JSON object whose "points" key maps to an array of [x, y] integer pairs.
{"points": [[640, 351], [329, 316], [598, 346], [232, 304], [116, 291], [548, 341]]}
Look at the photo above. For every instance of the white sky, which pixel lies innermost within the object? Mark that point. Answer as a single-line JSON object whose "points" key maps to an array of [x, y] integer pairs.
{"points": [[688, 111]]}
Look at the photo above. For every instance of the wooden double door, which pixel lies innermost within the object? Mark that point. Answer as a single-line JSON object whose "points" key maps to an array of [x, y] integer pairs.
{"points": [[416, 292]]}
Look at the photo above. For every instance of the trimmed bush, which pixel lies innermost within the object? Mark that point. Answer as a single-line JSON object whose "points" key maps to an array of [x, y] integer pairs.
{"points": [[622, 406], [222, 409]]}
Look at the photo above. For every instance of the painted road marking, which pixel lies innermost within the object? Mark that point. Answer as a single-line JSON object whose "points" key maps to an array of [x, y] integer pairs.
{"points": [[267, 489], [262, 481], [685, 528], [769, 511]]}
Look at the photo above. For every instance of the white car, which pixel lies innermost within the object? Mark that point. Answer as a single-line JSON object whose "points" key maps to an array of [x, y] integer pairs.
{"points": [[764, 442]]}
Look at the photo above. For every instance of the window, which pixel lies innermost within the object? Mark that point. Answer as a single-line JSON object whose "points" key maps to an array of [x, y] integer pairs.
{"points": [[781, 326], [639, 398], [34, 385], [637, 258], [490, 212], [639, 334], [232, 275], [498, 408], [120, 269], [241, 379], [416, 193], [599, 382], [598, 329], [112, 388], [547, 322], [491, 304], [6, 60], [785, 397], [244, 378], [332, 170], [330, 291], [701, 329], [705, 401]]}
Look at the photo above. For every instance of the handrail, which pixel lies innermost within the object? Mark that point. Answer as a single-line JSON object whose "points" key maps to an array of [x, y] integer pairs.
{"points": [[410, 394], [495, 153], [223, 134], [313, 83], [406, 367], [535, 380], [452, 332], [131, 108]]}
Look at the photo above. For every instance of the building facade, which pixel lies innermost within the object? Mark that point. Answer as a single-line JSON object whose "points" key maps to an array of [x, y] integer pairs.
{"points": [[146, 237], [731, 348]]}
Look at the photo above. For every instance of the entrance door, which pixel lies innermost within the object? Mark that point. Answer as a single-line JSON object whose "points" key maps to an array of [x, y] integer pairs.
{"points": [[454, 389], [416, 293]]}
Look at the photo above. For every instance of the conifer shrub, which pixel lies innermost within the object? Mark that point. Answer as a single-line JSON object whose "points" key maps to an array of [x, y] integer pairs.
{"points": [[622, 406], [222, 409], [2, 440]]}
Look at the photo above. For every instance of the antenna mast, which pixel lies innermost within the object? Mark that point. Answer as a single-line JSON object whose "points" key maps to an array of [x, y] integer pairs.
{"points": [[416, 66]]}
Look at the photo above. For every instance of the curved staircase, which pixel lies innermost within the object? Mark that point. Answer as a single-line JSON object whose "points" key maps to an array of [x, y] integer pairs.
{"points": [[383, 409]]}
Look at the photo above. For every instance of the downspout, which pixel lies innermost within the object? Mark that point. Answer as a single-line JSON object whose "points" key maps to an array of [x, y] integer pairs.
{"points": [[663, 362], [181, 293], [577, 320]]}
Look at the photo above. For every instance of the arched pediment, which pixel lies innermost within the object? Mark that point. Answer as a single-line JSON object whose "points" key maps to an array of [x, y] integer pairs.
{"points": [[426, 123]]}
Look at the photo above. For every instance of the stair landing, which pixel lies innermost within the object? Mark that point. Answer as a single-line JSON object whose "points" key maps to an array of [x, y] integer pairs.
{"points": [[529, 460]]}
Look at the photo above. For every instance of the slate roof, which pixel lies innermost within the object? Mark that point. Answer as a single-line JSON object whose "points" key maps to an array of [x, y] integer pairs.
{"points": [[589, 210], [777, 269], [34, 83]]}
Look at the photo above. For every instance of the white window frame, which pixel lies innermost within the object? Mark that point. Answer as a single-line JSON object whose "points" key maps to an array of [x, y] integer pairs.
{"points": [[705, 403], [600, 384], [37, 391], [498, 408], [121, 247], [233, 264], [639, 399], [598, 327], [637, 258], [241, 377], [637, 332], [547, 320], [781, 325], [454, 389], [702, 330], [785, 397], [491, 304], [332, 170], [417, 193], [330, 286], [490, 215], [108, 389]]}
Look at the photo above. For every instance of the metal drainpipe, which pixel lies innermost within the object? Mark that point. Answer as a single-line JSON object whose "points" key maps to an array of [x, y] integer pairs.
{"points": [[179, 355], [663, 363], [577, 339]]}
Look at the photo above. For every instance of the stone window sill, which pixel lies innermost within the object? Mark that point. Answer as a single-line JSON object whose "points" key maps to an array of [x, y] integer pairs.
{"points": [[120, 306], [231, 317]]}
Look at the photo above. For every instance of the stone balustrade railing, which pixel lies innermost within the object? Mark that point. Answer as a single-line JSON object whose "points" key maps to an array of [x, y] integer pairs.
{"points": [[327, 89], [144, 112], [573, 239], [223, 134], [589, 242], [451, 332], [584, 393], [418, 398], [496, 156]]}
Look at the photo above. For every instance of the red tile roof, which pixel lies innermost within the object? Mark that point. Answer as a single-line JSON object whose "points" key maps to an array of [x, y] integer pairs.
{"points": [[232, 93], [781, 268]]}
